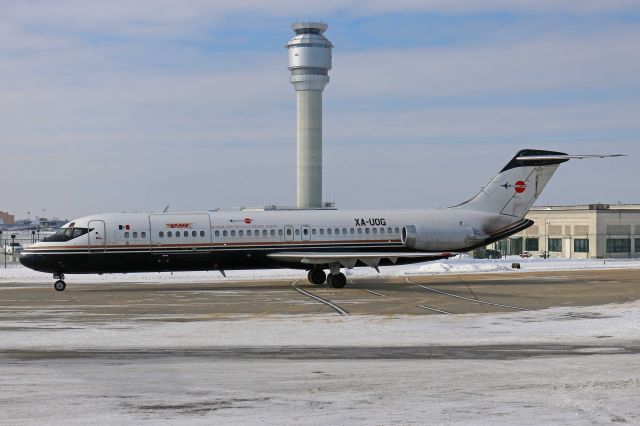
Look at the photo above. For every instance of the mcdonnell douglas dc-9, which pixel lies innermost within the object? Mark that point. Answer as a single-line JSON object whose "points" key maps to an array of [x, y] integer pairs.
{"points": [[312, 240]]}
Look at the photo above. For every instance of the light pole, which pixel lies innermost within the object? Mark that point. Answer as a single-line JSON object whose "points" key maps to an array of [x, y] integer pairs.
{"points": [[28, 220], [546, 237], [4, 252]]}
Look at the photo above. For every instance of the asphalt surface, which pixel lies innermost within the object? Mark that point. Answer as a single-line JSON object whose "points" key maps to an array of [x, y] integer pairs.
{"points": [[411, 295]]}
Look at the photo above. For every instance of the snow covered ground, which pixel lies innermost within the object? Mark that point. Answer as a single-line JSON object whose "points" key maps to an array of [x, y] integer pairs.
{"points": [[458, 265], [564, 365]]}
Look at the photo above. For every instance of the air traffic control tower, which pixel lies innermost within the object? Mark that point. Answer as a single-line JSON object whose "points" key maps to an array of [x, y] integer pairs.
{"points": [[309, 63]]}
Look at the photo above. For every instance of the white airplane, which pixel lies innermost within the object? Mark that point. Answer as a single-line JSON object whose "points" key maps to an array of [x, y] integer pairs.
{"points": [[313, 240]]}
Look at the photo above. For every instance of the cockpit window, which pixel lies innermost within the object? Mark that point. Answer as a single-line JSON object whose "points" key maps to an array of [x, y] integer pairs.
{"points": [[66, 234]]}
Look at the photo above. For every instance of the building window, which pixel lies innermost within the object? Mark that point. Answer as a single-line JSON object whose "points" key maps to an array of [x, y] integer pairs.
{"points": [[619, 245], [637, 241], [531, 244], [555, 244], [581, 245]]}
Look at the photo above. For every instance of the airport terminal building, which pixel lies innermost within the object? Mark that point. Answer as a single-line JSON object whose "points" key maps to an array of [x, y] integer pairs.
{"points": [[579, 232]]}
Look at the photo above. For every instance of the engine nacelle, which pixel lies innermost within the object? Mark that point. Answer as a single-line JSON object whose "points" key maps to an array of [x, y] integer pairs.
{"points": [[438, 238]]}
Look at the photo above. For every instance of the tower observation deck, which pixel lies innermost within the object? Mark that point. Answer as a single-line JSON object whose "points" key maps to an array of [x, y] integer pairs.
{"points": [[309, 63]]}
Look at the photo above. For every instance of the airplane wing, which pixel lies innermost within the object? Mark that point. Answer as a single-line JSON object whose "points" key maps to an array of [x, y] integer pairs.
{"points": [[349, 260]]}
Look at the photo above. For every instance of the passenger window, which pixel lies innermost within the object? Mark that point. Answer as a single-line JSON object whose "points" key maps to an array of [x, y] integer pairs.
{"points": [[169, 234], [126, 234], [313, 231], [143, 234], [135, 235], [248, 232], [366, 230], [344, 231], [273, 232], [351, 231], [328, 231], [321, 231], [337, 231], [224, 233], [397, 230], [241, 233], [194, 234], [359, 230], [289, 232], [161, 234], [297, 232], [233, 233], [390, 231], [305, 231], [202, 233], [375, 230], [217, 233], [185, 233], [382, 230], [280, 232]]}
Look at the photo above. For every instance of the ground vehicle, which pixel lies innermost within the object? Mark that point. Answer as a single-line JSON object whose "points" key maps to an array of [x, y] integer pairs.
{"points": [[12, 247]]}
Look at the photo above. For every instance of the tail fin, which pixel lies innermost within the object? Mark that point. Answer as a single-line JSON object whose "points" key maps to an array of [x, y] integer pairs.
{"points": [[519, 184]]}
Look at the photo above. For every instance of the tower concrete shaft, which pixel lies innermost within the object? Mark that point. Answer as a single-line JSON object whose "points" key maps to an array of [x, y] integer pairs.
{"points": [[309, 63]]}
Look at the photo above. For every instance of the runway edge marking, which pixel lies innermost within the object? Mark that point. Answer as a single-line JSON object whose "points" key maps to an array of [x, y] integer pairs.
{"points": [[332, 305], [517, 308]]}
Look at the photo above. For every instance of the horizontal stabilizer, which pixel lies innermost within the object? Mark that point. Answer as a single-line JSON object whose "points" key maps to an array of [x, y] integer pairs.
{"points": [[566, 157]]}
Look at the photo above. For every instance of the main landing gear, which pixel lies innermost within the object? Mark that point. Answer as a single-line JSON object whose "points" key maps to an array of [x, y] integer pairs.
{"points": [[59, 285], [335, 279]]}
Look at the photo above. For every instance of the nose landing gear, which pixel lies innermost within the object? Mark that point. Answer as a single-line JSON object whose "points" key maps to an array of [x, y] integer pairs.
{"points": [[59, 285]]}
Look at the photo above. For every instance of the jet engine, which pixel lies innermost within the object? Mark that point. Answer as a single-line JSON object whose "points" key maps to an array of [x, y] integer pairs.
{"points": [[439, 238]]}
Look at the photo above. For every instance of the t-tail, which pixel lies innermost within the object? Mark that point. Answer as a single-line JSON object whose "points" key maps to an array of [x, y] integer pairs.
{"points": [[519, 184]]}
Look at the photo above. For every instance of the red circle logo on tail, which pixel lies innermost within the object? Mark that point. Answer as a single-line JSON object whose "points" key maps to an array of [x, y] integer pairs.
{"points": [[248, 220], [520, 186]]}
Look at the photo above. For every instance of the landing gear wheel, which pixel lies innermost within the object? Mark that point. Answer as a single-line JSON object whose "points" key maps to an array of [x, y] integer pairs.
{"points": [[337, 280], [317, 276], [59, 285]]}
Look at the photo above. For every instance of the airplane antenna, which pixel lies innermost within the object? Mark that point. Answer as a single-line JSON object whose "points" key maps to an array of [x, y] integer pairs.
{"points": [[166, 209]]}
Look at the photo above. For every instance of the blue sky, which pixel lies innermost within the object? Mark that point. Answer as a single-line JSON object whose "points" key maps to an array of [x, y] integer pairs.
{"points": [[132, 105]]}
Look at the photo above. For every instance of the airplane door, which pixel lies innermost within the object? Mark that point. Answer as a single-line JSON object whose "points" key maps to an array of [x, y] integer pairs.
{"points": [[306, 233], [288, 233], [97, 236]]}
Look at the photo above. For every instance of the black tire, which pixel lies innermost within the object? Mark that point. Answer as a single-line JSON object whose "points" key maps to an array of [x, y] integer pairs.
{"points": [[317, 276], [337, 280], [59, 285]]}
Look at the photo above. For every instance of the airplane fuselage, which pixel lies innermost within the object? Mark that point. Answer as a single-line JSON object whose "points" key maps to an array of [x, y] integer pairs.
{"points": [[244, 239]]}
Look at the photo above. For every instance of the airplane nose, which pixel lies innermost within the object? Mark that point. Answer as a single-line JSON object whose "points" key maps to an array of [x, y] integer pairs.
{"points": [[27, 259]]}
